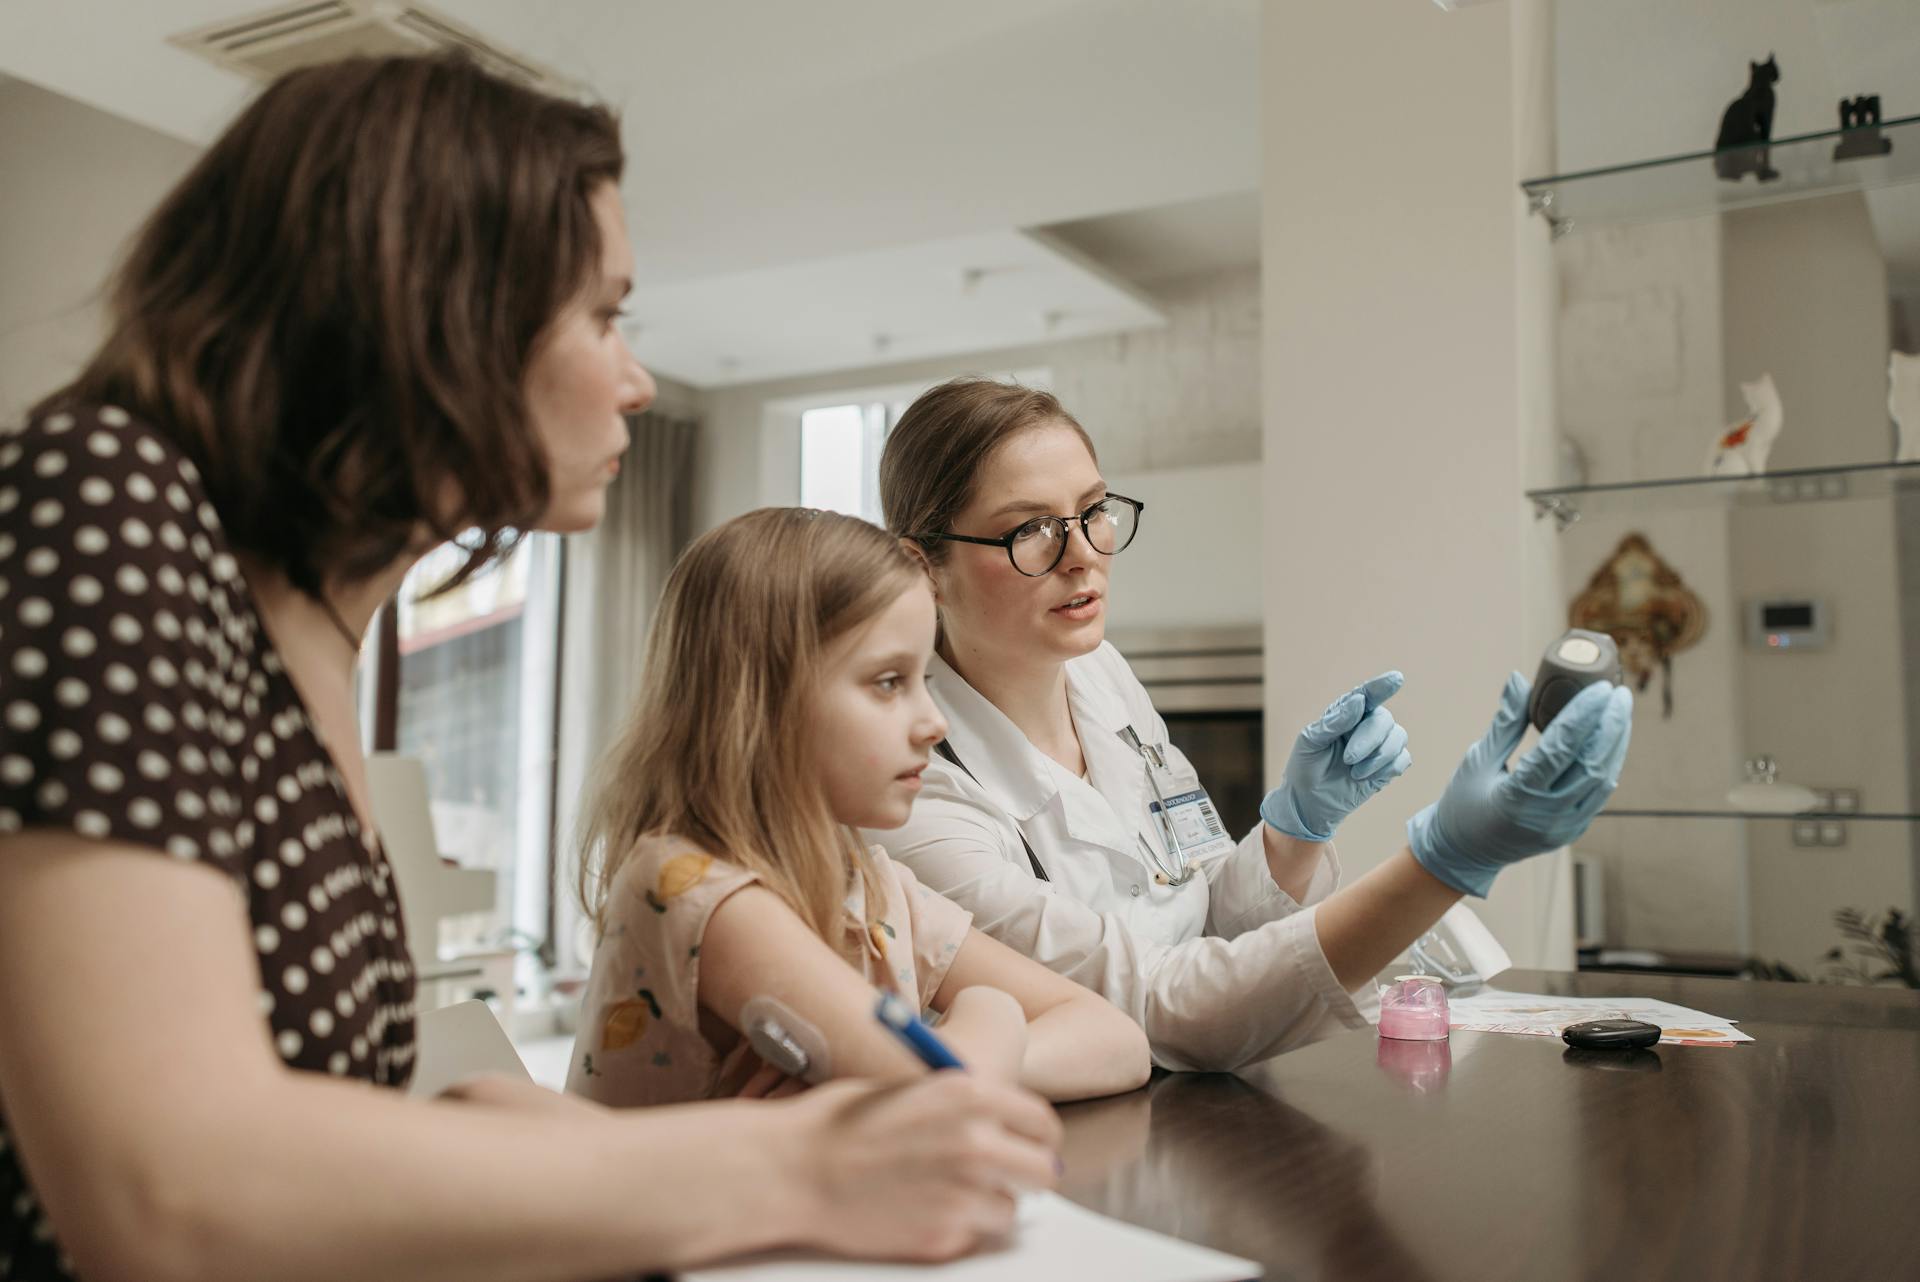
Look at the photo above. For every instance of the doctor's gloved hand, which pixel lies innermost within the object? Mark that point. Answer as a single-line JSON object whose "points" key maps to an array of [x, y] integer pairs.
{"points": [[1353, 751], [1490, 816]]}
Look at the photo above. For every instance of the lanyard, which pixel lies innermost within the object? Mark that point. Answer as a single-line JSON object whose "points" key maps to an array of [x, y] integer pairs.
{"points": [[1150, 758], [945, 749]]}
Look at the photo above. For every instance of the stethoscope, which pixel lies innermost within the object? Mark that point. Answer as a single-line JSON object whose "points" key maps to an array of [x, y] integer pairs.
{"points": [[1151, 760]]}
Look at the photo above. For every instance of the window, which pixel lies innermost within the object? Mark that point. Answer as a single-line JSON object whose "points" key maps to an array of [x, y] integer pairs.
{"points": [[475, 702], [840, 456], [841, 438]]}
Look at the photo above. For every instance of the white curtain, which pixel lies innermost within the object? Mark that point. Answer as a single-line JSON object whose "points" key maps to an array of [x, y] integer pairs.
{"points": [[615, 574], [648, 523]]}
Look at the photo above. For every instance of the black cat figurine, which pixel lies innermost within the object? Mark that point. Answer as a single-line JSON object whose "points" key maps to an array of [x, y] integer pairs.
{"points": [[1747, 128], [1860, 129]]}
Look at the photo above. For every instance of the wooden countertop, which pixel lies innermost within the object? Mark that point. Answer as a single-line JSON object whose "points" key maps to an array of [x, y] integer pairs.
{"points": [[1504, 1157]]}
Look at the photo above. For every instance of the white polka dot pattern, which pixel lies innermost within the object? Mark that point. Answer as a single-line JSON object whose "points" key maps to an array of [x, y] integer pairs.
{"points": [[141, 702]]}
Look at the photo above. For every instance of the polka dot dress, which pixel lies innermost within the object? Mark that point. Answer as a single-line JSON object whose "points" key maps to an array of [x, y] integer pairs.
{"points": [[142, 702]]}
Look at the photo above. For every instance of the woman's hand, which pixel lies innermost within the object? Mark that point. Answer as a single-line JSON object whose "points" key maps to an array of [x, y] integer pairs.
{"points": [[924, 1170], [987, 1029], [1490, 816], [1353, 751]]}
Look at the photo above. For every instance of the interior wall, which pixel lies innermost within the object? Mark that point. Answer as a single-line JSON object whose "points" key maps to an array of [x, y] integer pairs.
{"points": [[78, 183], [1187, 395], [1540, 895], [1805, 290], [1408, 391], [1196, 562]]}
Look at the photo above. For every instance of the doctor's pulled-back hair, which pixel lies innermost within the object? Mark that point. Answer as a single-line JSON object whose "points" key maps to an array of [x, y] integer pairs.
{"points": [[333, 313], [936, 452], [716, 750]]}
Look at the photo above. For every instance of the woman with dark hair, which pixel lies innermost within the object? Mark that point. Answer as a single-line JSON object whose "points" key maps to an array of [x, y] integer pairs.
{"points": [[377, 314], [1060, 816]]}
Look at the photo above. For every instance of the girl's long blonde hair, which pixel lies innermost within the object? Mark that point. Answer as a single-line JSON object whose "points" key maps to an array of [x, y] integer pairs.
{"points": [[715, 750]]}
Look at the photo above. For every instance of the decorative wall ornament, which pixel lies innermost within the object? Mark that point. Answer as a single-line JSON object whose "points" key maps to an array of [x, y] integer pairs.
{"points": [[1639, 600], [1746, 127], [1903, 402], [1742, 449]]}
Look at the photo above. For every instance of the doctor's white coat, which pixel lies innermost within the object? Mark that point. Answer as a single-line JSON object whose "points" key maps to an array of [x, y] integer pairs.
{"points": [[1220, 972]]}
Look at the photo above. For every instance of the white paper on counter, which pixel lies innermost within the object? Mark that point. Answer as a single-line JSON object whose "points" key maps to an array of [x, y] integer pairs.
{"points": [[1055, 1239], [1490, 1010]]}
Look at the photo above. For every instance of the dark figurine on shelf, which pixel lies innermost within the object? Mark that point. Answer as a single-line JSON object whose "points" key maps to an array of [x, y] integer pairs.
{"points": [[1860, 129], [1747, 128]]}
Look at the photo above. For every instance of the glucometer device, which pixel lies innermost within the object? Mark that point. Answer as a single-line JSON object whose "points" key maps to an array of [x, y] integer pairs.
{"points": [[1610, 1034], [1571, 664]]}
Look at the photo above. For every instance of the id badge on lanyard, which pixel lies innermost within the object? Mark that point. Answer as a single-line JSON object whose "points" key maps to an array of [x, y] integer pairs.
{"points": [[1190, 827], [1196, 823]]}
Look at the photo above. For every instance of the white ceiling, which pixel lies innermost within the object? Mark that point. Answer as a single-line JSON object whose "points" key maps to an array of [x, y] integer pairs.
{"points": [[761, 134], [1151, 246], [938, 298]]}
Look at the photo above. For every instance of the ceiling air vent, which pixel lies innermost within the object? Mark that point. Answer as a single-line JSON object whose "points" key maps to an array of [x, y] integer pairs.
{"points": [[266, 44]]}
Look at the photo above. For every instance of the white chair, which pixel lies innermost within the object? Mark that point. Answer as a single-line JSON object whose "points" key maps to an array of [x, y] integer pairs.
{"points": [[430, 889], [454, 1043]]}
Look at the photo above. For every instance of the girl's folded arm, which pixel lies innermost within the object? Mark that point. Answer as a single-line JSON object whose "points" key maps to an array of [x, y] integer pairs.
{"points": [[1079, 1044]]}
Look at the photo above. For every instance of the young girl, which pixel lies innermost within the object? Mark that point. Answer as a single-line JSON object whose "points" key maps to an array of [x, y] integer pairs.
{"points": [[785, 704]]}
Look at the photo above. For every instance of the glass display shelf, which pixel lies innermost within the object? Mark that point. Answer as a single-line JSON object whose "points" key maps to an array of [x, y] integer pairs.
{"points": [[1566, 503], [1690, 185]]}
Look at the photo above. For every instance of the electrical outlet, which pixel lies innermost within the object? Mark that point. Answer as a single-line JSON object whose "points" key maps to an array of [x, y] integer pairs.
{"points": [[1833, 832], [1806, 832], [1844, 801]]}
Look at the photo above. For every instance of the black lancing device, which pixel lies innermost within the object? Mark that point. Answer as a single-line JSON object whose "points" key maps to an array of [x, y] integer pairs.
{"points": [[1572, 663], [1611, 1034]]}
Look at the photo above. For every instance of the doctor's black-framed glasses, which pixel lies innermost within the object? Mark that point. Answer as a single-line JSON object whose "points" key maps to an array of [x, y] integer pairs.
{"points": [[1036, 546]]}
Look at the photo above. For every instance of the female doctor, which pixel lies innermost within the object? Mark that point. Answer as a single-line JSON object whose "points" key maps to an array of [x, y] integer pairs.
{"points": [[1058, 813]]}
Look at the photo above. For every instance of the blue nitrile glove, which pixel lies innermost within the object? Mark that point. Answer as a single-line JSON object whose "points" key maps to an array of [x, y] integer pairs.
{"points": [[1491, 816], [1353, 751]]}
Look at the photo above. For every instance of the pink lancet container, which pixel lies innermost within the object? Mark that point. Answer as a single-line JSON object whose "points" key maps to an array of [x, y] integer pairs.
{"points": [[1413, 1008]]}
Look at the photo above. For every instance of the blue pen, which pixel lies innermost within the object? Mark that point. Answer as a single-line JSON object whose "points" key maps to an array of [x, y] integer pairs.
{"points": [[920, 1039]]}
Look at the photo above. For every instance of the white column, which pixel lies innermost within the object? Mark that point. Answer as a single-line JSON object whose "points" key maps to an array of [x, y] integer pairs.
{"points": [[1407, 403]]}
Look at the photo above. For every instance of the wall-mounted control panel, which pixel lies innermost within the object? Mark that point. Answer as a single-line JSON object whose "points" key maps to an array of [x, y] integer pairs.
{"points": [[1782, 624]]}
